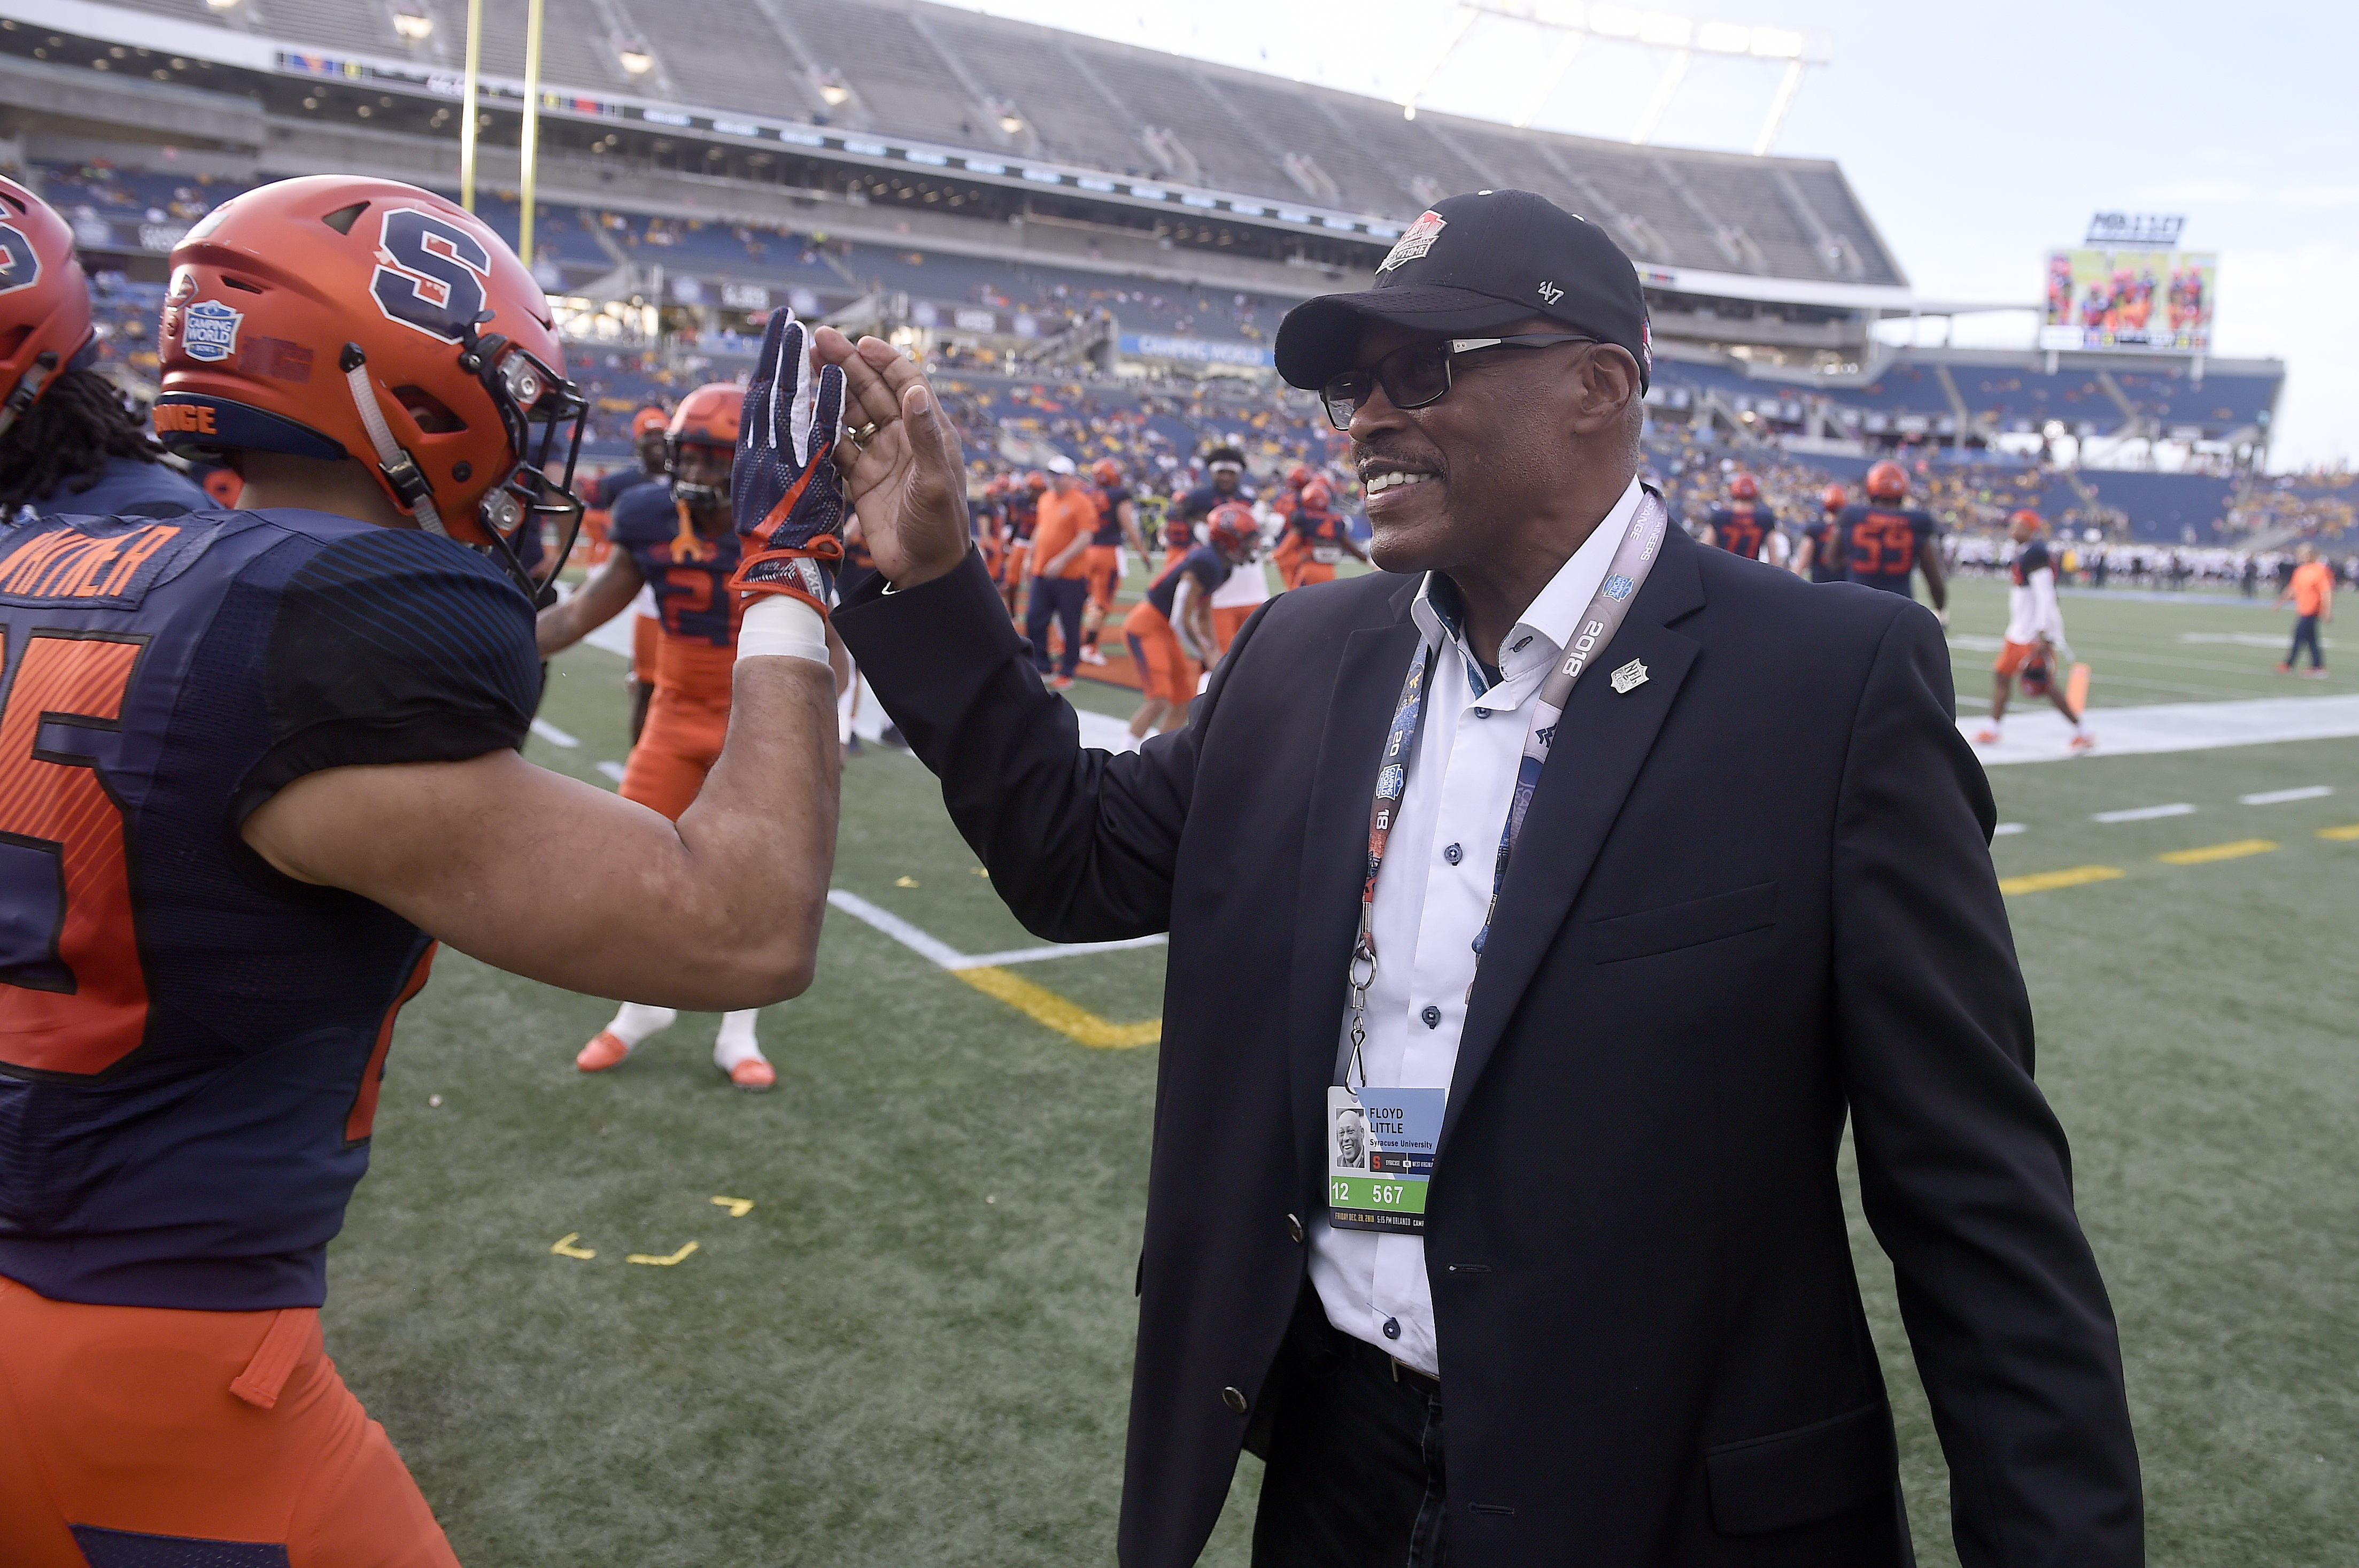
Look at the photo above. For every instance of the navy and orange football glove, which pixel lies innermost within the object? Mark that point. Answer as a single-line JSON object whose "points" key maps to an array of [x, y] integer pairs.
{"points": [[783, 488]]}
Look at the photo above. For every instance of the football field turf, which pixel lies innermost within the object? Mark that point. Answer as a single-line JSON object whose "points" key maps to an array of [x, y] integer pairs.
{"points": [[906, 1341]]}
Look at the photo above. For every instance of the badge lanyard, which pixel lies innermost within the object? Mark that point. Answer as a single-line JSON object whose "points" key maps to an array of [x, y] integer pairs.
{"points": [[1641, 545]]}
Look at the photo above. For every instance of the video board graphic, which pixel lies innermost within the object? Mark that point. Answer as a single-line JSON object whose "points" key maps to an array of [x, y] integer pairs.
{"points": [[2130, 298]]}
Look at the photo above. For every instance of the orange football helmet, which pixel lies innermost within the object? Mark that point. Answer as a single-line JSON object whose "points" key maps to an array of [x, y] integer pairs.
{"points": [[44, 301], [2026, 514], [1231, 530], [1317, 495], [1744, 487], [1833, 498], [1888, 481], [1106, 472], [334, 317], [1035, 482], [1299, 476], [706, 416], [648, 419]]}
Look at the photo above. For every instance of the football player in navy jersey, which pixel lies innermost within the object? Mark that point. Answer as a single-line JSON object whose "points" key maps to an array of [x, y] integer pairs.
{"points": [[1745, 526], [2035, 634], [1820, 555], [1224, 466], [1171, 630], [249, 761], [1885, 542], [68, 443]]}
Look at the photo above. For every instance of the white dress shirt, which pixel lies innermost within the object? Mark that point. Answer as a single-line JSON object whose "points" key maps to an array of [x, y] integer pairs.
{"points": [[1431, 896]]}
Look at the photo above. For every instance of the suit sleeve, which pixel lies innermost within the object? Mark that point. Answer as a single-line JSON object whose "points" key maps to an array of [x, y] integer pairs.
{"points": [[1081, 844], [1963, 1169]]}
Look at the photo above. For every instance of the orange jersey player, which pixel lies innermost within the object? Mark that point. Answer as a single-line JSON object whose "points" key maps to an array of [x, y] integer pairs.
{"points": [[248, 760], [677, 541]]}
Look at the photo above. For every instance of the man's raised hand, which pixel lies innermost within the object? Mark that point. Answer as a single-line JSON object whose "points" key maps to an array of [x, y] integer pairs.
{"points": [[783, 488], [906, 476]]}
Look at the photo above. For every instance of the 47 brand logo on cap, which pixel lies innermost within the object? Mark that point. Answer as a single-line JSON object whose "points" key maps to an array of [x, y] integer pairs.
{"points": [[209, 330], [1416, 240]]}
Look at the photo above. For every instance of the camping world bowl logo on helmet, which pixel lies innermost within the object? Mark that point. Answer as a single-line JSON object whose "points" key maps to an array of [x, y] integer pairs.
{"points": [[1416, 240], [209, 330]]}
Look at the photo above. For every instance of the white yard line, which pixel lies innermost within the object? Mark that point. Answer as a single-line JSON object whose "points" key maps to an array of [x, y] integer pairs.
{"points": [[929, 946], [2006, 829], [2280, 796], [613, 770], [2042, 734], [552, 734], [2145, 813]]}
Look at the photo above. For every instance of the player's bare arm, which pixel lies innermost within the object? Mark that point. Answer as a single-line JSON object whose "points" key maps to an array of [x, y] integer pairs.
{"points": [[721, 910], [1929, 561], [1127, 514], [608, 595]]}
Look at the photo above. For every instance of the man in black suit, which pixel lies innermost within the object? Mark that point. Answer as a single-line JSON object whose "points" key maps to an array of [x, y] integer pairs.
{"points": [[1603, 1034]]}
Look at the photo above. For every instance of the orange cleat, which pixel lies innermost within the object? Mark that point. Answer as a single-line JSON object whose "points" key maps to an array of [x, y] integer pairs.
{"points": [[2082, 743], [754, 1075], [1986, 737], [604, 1051], [1060, 682]]}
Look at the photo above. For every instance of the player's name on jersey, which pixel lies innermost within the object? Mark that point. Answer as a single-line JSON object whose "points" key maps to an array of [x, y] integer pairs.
{"points": [[97, 561]]}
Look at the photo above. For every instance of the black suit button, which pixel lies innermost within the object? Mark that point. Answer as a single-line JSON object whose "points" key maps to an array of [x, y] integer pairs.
{"points": [[1432, 1016], [1294, 1228], [1234, 1399], [1453, 854], [1392, 1328]]}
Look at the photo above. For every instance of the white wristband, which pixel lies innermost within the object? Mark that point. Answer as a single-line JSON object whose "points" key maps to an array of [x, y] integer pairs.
{"points": [[781, 625]]}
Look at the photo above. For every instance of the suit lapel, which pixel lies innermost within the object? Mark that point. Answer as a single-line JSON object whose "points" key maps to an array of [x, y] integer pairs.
{"points": [[1602, 741], [1335, 855]]}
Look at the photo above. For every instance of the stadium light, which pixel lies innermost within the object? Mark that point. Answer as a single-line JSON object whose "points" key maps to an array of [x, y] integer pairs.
{"points": [[220, 5], [413, 21], [633, 52]]}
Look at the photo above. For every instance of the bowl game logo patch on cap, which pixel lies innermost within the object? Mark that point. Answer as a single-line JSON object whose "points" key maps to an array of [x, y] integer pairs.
{"points": [[1416, 241]]}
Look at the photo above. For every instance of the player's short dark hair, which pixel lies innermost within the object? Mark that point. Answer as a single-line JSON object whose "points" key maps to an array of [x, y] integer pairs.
{"points": [[65, 439]]}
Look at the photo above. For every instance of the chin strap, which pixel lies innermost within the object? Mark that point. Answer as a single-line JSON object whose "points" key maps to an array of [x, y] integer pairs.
{"points": [[400, 470]]}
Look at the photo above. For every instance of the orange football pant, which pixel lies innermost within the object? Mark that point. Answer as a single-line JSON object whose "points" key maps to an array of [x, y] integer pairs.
{"points": [[1228, 620], [208, 1427], [1098, 566], [1164, 670], [1308, 572], [686, 721]]}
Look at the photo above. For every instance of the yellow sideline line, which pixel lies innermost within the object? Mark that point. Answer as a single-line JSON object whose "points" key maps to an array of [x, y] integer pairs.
{"points": [[2071, 876], [2212, 851], [2346, 833], [1043, 1006]]}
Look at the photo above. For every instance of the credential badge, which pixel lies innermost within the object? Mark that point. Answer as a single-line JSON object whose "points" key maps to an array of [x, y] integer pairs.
{"points": [[209, 330], [1631, 674], [1416, 240]]}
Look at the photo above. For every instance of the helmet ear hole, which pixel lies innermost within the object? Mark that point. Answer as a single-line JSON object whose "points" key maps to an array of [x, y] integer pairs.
{"points": [[433, 416], [342, 219]]}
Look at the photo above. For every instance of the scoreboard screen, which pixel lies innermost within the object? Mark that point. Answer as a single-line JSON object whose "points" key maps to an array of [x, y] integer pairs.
{"points": [[2130, 298]]}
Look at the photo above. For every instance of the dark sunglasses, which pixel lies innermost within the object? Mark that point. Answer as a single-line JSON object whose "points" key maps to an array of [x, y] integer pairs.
{"points": [[1417, 375]]}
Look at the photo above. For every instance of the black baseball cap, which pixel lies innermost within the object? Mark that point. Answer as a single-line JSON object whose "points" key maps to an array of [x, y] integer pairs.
{"points": [[1472, 264]]}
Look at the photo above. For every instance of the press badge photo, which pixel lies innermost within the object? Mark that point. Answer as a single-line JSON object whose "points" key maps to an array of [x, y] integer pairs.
{"points": [[1380, 1146]]}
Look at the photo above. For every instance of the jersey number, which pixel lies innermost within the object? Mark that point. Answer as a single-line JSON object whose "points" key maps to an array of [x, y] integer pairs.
{"points": [[1883, 547], [695, 591], [73, 999]]}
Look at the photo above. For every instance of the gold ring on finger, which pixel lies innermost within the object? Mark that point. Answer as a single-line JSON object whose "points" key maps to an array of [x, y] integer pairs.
{"points": [[864, 434]]}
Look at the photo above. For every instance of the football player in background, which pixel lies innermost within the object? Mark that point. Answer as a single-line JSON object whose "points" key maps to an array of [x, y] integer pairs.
{"points": [[1820, 555], [1118, 524], [1745, 526], [68, 444], [2311, 591], [1023, 517], [1170, 631], [1060, 542], [1224, 466], [678, 542], [2034, 632], [1886, 541], [263, 754], [1322, 537]]}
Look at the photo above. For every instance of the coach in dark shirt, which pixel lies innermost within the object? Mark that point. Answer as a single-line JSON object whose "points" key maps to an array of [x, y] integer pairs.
{"points": [[1493, 1195]]}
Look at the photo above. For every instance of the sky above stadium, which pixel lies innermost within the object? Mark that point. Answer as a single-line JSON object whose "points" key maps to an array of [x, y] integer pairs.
{"points": [[1978, 136]]}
